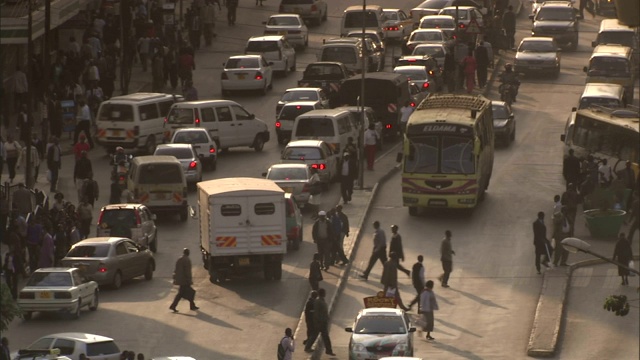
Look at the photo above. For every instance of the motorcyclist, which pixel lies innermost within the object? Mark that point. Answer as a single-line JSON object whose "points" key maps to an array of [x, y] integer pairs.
{"points": [[509, 77], [119, 155]]}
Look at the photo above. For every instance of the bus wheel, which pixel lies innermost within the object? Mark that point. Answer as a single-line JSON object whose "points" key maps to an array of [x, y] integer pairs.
{"points": [[413, 210]]}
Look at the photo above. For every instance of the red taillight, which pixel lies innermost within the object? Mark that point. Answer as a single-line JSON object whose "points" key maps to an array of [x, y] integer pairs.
{"points": [[27, 295], [100, 217], [461, 25], [413, 104], [319, 166], [138, 221], [165, 120], [102, 268], [197, 121], [258, 76], [136, 130], [197, 116], [278, 124], [192, 165], [411, 60], [298, 107], [388, 126], [314, 8], [212, 150], [425, 85], [224, 76], [121, 178]]}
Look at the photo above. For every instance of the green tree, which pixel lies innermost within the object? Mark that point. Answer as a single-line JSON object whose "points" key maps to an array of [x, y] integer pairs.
{"points": [[9, 310]]}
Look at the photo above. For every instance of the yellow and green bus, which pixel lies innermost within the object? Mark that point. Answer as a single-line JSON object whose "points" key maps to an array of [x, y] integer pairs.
{"points": [[447, 156]]}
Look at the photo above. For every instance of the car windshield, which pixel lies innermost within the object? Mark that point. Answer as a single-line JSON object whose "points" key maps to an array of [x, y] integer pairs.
{"points": [[609, 66], [587, 102], [169, 173], [411, 73], [499, 112], [118, 217], [50, 279], [555, 14], [437, 23], [426, 36], [191, 137], [89, 251], [102, 348], [453, 156], [433, 4], [537, 46], [179, 153], [287, 174], [262, 46], [292, 112], [116, 112], [617, 37], [435, 51], [315, 127], [180, 116], [380, 324], [343, 54], [303, 95], [323, 72], [284, 21], [301, 153], [242, 63]]}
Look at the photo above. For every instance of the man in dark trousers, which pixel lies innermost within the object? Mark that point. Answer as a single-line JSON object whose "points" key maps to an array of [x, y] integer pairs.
{"points": [[321, 323], [482, 63], [509, 26], [81, 171], [182, 277], [232, 6], [308, 315], [379, 249], [395, 246], [571, 168], [446, 257], [417, 279], [390, 279], [322, 234], [315, 274], [540, 241], [344, 232], [348, 173], [54, 162]]}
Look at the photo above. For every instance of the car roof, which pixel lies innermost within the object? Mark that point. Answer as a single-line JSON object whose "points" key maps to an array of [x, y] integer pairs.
{"points": [[427, 45], [459, 7], [611, 50], [614, 25], [380, 311], [498, 103], [78, 336], [426, 30], [411, 68], [247, 56], [303, 89], [173, 146], [121, 206], [557, 4], [603, 90], [100, 240], [538, 38], [305, 143], [267, 38], [191, 129], [284, 15], [143, 96], [55, 269], [187, 104], [301, 103], [436, 17], [151, 159], [289, 166]]}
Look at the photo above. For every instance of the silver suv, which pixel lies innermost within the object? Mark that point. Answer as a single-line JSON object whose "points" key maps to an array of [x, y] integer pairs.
{"points": [[132, 221], [312, 10]]}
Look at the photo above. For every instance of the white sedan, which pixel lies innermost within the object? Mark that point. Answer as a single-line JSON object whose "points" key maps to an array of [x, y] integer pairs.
{"points": [[291, 26], [72, 344], [58, 289], [397, 25], [201, 142], [246, 72]]}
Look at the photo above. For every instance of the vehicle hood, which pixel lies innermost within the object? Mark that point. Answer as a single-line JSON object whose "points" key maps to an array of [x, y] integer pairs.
{"points": [[555, 24], [380, 343], [500, 123], [536, 56]]}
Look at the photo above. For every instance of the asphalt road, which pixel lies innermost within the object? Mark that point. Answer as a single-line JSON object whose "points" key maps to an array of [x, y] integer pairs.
{"points": [[485, 315]]}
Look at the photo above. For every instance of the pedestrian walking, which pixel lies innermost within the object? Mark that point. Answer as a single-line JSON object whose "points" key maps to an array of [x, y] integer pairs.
{"points": [[370, 143], [195, 29], [81, 146], [12, 150], [315, 272], [540, 241], [209, 17], [186, 65], [470, 66], [446, 257], [232, 6], [309, 315], [143, 46], [90, 190], [34, 235], [5, 353], [54, 162], [83, 122], [9, 269], [22, 200], [561, 231], [19, 87], [348, 174], [509, 26], [322, 234], [47, 250], [34, 161], [157, 71], [417, 279], [570, 199], [22, 122], [379, 249], [395, 246], [344, 232], [286, 346], [623, 254], [85, 216], [320, 320], [428, 304], [390, 280], [482, 63], [182, 277], [82, 170]]}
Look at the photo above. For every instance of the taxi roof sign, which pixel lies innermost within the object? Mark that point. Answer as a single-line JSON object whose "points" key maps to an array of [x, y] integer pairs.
{"points": [[473, 27], [379, 301]]}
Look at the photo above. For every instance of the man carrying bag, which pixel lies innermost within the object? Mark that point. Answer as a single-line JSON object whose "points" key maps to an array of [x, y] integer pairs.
{"points": [[182, 276]]}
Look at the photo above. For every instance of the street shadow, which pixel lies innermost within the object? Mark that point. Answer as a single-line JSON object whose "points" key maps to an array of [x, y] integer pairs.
{"points": [[479, 299], [465, 354], [444, 299], [136, 290], [456, 327], [203, 316]]}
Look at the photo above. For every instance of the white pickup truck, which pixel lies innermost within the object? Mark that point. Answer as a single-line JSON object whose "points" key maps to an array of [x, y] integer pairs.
{"points": [[242, 227]]}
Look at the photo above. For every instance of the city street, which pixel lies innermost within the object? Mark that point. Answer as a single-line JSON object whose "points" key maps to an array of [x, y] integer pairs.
{"points": [[486, 314]]}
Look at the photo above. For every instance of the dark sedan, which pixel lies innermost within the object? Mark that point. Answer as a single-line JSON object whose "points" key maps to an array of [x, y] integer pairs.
{"points": [[504, 122]]}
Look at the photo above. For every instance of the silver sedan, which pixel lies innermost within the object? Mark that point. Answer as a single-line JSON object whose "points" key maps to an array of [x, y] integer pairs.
{"points": [[188, 157], [538, 54], [291, 26], [296, 179]]}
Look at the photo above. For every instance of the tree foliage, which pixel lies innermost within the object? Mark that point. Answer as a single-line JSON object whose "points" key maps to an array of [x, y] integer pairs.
{"points": [[9, 309], [617, 304]]}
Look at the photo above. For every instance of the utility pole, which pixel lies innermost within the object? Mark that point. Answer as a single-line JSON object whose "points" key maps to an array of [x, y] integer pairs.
{"points": [[362, 90], [46, 69], [27, 168]]}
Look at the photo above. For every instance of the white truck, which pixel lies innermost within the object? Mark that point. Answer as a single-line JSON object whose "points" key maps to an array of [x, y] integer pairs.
{"points": [[242, 227]]}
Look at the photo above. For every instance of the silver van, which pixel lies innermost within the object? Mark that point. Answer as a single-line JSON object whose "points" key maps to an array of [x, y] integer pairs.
{"points": [[353, 17], [602, 94], [349, 51], [333, 126]]}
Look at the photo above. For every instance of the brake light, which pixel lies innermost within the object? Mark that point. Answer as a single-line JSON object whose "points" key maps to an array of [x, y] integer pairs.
{"points": [[138, 221], [121, 178], [212, 150], [258, 76], [425, 85], [411, 60], [413, 104], [388, 126], [462, 26], [193, 165], [314, 8], [62, 295], [224, 76], [319, 166], [27, 295], [100, 217], [298, 107], [136, 130], [278, 124], [102, 268], [165, 120]]}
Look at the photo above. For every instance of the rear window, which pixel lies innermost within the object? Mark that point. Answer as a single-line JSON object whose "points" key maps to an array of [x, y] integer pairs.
{"points": [[179, 153], [116, 112], [499, 112], [315, 127], [287, 174], [437, 23], [191, 137], [587, 102], [462, 15], [90, 251], [426, 36], [353, 19], [302, 153], [242, 63], [412, 74], [434, 51], [161, 173], [262, 46], [291, 112], [110, 217], [180, 116], [343, 54], [284, 21], [102, 348], [609, 66], [616, 37], [53, 279], [303, 95]]}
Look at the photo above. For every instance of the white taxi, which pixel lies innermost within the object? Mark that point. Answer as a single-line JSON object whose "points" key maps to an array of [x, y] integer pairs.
{"points": [[380, 332], [246, 72]]}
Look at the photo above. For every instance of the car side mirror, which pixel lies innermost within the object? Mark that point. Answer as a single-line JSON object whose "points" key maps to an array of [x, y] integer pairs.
{"points": [[412, 329], [531, 17], [252, 116], [594, 44], [264, 23], [399, 157], [563, 137], [348, 329], [585, 69], [264, 174]]}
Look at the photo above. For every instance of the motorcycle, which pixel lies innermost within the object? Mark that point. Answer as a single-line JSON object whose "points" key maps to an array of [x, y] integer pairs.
{"points": [[120, 171], [507, 93]]}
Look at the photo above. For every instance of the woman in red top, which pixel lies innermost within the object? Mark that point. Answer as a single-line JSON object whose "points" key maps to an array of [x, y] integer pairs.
{"points": [[186, 66], [470, 65]]}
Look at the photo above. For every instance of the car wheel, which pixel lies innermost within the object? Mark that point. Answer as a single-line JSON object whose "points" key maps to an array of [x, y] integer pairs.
{"points": [[148, 273], [153, 246], [151, 145], [76, 312], [117, 280], [94, 302], [258, 143], [27, 315]]}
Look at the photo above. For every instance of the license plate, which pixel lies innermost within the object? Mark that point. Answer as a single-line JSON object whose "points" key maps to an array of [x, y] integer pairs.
{"points": [[282, 32], [240, 77], [243, 262], [288, 190], [535, 67], [45, 295], [116, 132], [160, 196]]}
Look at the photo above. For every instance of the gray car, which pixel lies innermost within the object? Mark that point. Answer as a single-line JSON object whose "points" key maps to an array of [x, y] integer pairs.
{"points": [[132, 221], [296, 179], [538, 55], [111, 260], [188, 157]]}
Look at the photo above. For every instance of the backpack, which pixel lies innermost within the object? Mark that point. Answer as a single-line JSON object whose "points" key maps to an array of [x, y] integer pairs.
{"points": [[281, 350]]}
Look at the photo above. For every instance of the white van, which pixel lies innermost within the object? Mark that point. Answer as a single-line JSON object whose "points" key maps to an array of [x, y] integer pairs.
{"points": [[133, 121], [228, 123], [333, 126], [602, 94], [159, 183], [353, 15]]}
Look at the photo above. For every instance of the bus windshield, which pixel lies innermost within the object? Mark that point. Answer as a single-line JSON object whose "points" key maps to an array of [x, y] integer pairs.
{"points": [[440, 155]]}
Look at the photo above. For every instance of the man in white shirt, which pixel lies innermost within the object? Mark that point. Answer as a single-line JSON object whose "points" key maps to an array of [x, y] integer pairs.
{"points": [[405, 112], [370, 142], [606, 174]]}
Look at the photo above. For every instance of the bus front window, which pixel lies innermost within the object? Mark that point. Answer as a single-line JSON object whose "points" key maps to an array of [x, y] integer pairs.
{"points": [[423, 155], [457, 155]]}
